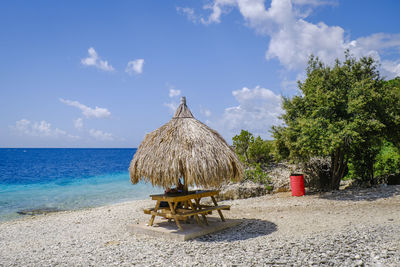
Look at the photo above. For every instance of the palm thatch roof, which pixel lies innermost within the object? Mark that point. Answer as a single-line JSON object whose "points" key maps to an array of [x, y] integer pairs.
{"points": [[185, 148]]}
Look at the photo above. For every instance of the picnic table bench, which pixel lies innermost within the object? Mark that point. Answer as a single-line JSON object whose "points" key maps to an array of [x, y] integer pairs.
{"points": [[181, 206]]}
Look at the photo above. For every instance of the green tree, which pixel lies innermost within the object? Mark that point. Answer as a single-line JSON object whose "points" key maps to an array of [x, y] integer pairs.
{"points": [[388, 160], [255, 153], [391, 111], [241, 144], [259, 151], [252, 150], [394, 83], [342, 113]]}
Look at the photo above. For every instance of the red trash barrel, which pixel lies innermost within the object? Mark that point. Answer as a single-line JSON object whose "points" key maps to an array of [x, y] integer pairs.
{"points": [[297, 185]]}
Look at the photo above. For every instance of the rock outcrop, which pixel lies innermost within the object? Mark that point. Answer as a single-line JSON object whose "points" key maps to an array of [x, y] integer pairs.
{"points": [[279, 176], [38, 211], [245, 189]]}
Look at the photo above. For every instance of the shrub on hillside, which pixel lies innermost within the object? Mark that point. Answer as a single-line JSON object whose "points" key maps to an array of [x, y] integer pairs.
{"points": [[252, 150], [256, 174], [388, 160]]}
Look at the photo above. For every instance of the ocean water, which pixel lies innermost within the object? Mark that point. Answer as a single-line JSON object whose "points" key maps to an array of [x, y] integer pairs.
{"points": [[65, 179]]}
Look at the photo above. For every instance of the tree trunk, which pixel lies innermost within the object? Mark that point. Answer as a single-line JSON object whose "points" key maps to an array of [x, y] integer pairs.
{"points": [[246, 155], [371, 172], [339, 168]]}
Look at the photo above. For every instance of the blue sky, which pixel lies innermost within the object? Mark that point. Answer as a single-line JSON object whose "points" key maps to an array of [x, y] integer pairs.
{"points": [[105, 73]]}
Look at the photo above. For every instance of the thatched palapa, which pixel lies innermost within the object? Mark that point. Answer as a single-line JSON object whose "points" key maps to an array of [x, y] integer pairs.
{"points": [[185, 148]]}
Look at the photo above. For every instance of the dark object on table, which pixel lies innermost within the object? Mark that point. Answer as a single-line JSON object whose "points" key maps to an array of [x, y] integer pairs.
{"points": [[178, 189]]}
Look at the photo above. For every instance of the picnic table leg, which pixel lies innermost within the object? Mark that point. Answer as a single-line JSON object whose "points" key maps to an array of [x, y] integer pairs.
{"points": [[219, 211], [174, 215], [176, 205], [155, 209], [194, 208], [199, 207], [186, 206]]}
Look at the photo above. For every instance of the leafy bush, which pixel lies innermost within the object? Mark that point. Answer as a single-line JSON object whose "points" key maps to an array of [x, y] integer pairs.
{"points": [[385, 163], [388, 160], [252, 150], [256, 174], [362, 163], [254, 153], [260, 151], [241, 144]]}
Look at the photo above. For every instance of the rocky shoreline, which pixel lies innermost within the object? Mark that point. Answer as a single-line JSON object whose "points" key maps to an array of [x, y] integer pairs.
{"points": [[358, 227]]}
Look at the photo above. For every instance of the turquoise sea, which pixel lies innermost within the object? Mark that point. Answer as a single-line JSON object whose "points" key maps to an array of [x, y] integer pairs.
{"points": [[65, 179]]}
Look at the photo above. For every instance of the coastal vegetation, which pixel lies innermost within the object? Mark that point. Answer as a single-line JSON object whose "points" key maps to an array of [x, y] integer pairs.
{"points": [[345, 121], [255, 154]]}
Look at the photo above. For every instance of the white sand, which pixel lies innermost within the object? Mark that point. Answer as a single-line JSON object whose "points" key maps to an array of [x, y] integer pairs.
{"points": [[346, 228]]}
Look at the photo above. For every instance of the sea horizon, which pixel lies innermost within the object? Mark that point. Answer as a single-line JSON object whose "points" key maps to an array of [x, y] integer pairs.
{"points": [[65, 179]]}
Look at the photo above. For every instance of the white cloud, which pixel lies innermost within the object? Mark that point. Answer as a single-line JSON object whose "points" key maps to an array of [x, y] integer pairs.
{"points": [[293, 39], [293, 46], [391, 68], [87, 111], [258, 110], [173, 92], [289, 85], [218, 7], [78, 123], [23, 126], [378, 41], [94, 60], [189, 13], [172, 106], [100, 135], [206, 112], [314, 2], [39, 129], [135, 66]]}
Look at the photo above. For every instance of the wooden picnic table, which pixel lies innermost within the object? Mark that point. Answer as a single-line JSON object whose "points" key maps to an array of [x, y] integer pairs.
{"points": [[180, 206]]}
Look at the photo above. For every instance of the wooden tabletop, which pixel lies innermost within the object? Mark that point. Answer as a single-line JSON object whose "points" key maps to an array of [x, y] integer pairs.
{"points": [[182, 196]]}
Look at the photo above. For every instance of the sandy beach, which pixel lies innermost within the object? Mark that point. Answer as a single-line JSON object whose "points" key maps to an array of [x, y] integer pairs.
{"points": [[342, 228]]}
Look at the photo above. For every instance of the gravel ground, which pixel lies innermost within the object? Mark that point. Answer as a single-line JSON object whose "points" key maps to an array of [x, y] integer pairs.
{"points": [[344, 228]]}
